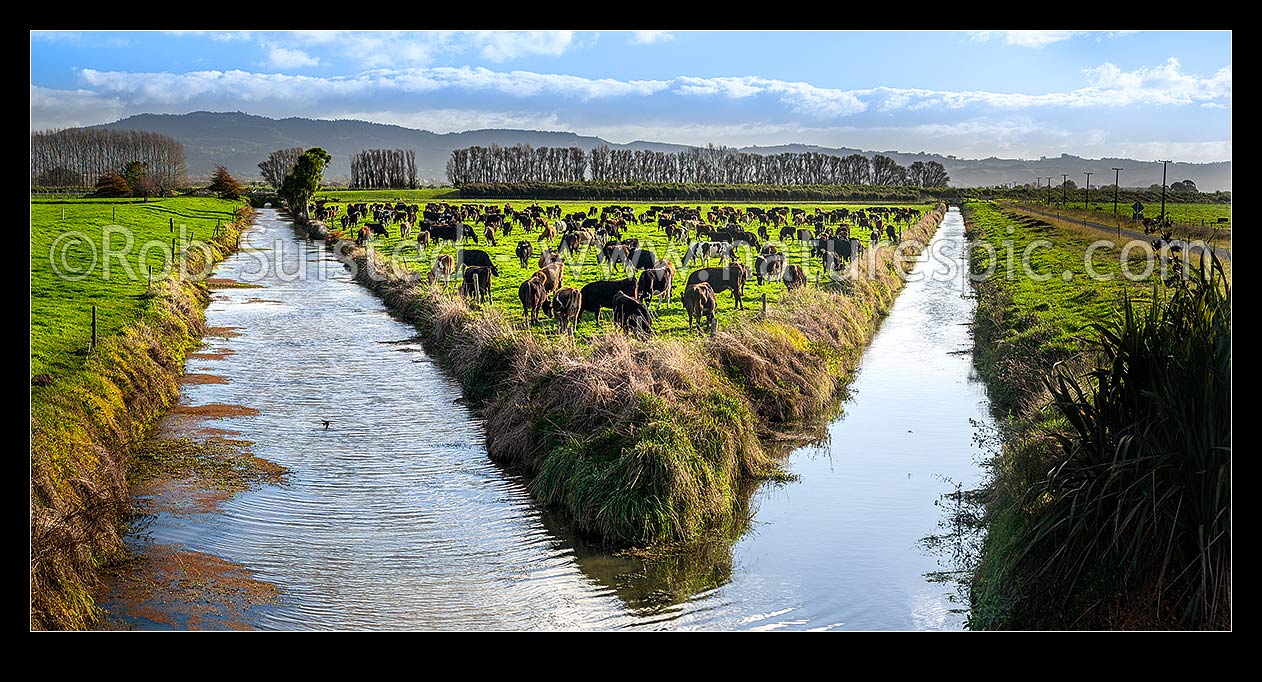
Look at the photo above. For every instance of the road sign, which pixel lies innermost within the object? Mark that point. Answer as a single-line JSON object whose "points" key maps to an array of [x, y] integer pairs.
{"points": [[1138, 207]]}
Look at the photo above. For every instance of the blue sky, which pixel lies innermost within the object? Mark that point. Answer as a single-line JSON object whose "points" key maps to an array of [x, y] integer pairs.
{"points": [[1023, 94]]}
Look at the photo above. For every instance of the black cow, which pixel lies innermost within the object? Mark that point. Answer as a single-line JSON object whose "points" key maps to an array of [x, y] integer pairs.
{"points": [[656, 282], [378, 228], [477, 280], [629, 314], [456, 233], [475, 257], [524, 251], [722, 279], [599, 294]]}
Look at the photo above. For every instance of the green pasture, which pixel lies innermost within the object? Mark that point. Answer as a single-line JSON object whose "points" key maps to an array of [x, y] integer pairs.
{"points": [[583, 267], [69, 271]]}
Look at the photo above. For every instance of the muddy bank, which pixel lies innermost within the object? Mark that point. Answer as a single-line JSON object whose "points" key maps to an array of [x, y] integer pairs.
{"points": [[83, 430], [661, 454]]}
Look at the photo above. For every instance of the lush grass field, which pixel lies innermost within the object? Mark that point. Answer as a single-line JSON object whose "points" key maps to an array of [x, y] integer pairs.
{"points": [[1104, 530], [1061, 307], [61, 308], [1181, 214], [583, 267]]}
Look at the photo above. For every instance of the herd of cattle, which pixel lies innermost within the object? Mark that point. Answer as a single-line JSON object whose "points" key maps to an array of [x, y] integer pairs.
{"points": [[716, 234]]}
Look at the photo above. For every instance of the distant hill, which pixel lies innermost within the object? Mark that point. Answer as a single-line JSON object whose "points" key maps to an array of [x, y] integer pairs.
{"points": [[239, 141]]}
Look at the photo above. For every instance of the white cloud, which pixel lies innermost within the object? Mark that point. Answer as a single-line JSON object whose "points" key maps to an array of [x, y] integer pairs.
{"points": [[649, 37], [1026, 38], [51, 108], [801, 97], [499, 46], [288, 58], [57, 36], [1040, 39]]}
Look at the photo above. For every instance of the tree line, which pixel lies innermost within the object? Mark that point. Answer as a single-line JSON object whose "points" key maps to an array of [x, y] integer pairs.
{"points": [[384, 169], [695, 165], [78, 157], [672, 192]]}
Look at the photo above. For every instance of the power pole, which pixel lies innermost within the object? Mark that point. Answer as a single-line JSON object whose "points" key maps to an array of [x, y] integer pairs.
{"points": [[1087, 204], [1117, 172], [1064, 190], [1049, 190], [1163, 191]]}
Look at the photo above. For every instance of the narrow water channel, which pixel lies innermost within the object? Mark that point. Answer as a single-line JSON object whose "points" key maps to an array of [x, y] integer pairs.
{"points": [[394, 518]]}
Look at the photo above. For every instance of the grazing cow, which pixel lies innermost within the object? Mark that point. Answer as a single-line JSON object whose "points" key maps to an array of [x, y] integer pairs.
{"points": [[548, 233], [532, 296], [639, 259], [475, 257], [762, 231], [549, 256], [768, 266], [768, 250], [786, 233], [552, 274], [656, 282], [889, 232], [524, 252], [477, 281], [489, 235], [805, 235], [793, 276], [455, 233], [364, 235], [378, 228], [729, 277], [629, 314], [566, 306], [422, 238], [599, 294], [704, 251], [699, 301], [443, 267]]}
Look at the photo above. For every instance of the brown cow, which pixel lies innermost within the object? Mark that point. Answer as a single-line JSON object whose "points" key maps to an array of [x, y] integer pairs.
{"points": [[552, 274], [489, 234], [631, 315], [566, 306], [549, 256], [699, 301], [547, 234], [793, 276], [532, 294], [422, 238], [444, 265]]}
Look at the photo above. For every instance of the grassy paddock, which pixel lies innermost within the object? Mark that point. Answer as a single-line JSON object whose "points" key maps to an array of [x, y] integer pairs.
{"points": [[101, 403], [1023, 329], [647, 442], [583, 268]]}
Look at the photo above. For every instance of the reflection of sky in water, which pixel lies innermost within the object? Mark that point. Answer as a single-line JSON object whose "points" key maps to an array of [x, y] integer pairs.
{"points": [[396, 518]]}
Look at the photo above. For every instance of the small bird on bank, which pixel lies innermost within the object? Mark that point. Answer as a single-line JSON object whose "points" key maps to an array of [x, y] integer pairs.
{"points": [[326, 423]]}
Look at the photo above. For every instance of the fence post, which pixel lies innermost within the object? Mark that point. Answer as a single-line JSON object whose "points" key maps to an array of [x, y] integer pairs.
{"points": [[477, 294], [172, 224], [764, 303], [113, 213], [93, 327], [150, 286]]}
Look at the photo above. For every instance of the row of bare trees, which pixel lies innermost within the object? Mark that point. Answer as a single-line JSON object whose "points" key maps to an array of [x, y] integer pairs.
{"points": [[278, 164], [519, 163], [384, 169], [709, 165], [77, 157]]}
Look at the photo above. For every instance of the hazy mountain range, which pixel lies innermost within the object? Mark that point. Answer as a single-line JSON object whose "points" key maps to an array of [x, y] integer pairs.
{"points": [[239, 141]]}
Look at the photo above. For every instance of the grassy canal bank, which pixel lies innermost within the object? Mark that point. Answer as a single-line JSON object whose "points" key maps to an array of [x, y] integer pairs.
{"points": [[1107, 501], [91, 406], [648, 442]]}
